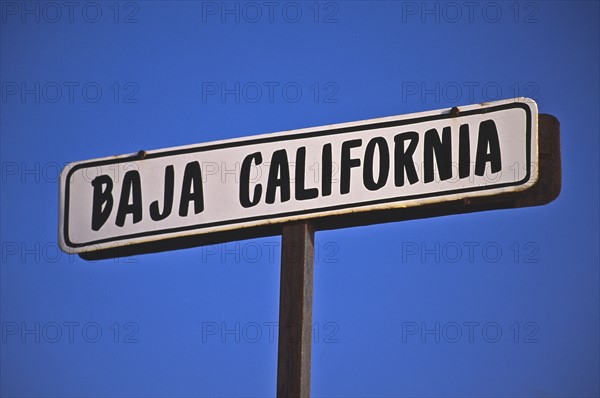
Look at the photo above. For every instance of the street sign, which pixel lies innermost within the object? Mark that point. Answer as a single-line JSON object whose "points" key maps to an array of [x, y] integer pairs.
{"points": [[336, 175], [479, 157]]}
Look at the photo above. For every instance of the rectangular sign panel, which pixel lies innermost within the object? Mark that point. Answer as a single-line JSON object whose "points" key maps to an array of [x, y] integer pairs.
{"points": [[338, 170]]}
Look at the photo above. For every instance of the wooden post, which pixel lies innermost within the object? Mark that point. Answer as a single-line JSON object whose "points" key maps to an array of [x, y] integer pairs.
{"points": [[295, 310]]}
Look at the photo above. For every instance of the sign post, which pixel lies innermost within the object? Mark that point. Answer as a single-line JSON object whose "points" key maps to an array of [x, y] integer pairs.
{"points": [[295, 310], [479, 157]]}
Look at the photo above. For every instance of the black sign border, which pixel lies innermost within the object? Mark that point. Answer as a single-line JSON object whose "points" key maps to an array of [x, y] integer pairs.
{"points": [[334, 131]]}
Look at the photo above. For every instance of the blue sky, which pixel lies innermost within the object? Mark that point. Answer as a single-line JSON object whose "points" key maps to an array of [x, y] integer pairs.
{"points": [[498, 303]]}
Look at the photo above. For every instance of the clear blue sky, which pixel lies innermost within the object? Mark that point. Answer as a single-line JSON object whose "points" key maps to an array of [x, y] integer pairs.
{"points": [[498, 303]]}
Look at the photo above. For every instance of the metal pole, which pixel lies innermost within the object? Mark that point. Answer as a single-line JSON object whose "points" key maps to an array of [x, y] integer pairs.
{"points": [[295, 310]]}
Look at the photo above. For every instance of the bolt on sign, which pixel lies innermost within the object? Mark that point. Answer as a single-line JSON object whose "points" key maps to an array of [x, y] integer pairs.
{"points": [[417, 165]]}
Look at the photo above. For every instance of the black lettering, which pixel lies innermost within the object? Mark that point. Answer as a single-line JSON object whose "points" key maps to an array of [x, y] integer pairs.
{"points": [[132, 188], [347, 164], [488, 138], [403, 158], [300, 184], [191, 189], [326, 173], [384, 164], [443, 154], [103, 201], [245, 200], [464, 152], [155, 213], [279, 177]]}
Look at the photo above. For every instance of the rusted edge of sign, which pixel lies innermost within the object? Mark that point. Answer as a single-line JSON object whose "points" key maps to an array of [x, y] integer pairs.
{"points": [[545, 190]]}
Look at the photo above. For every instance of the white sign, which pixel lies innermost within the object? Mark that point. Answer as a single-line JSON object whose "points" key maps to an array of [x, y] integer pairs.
{"points": [[392, 162]]}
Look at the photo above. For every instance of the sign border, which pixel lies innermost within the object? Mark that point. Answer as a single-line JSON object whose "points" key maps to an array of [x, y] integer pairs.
{"points": [[317, 133]]}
